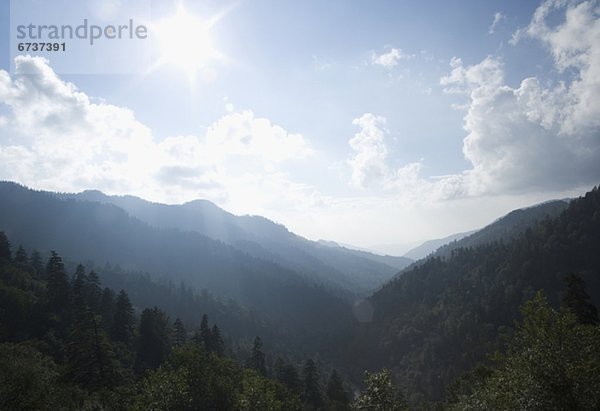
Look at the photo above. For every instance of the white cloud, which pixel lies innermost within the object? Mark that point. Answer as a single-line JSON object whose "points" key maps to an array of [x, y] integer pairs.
{"points": [[54, 137], [389, 59], [535, 137], [368, 164], [498, 18]]}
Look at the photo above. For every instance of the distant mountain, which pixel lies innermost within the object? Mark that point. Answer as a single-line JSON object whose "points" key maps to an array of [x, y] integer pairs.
{"points": [[508, 227], [397, 262], [446, 313], [430, 246], [339, 267]]}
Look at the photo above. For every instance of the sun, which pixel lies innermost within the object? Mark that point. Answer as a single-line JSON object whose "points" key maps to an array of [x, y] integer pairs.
{"points": [[184, 41]]}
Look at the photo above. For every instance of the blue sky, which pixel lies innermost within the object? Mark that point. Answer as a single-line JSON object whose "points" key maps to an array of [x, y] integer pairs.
{"points": [[370, 123]]}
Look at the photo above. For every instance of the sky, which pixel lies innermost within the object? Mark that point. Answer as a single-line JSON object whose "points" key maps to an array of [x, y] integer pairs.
{"points": [[371, 123]]}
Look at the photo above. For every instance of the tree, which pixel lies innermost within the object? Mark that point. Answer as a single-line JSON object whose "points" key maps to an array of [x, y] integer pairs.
{"points": [[21, 256], [123, 324], [257, 358], [37, 263], [287, 374], [552, 362], [578, 301], [57, 284], [312, 389], [179, 333], [78, 287], [90, 360], [4, 247], [380, 393], [93, 291], [154, 342], [337, 395], [107, 308], [217, 344]]}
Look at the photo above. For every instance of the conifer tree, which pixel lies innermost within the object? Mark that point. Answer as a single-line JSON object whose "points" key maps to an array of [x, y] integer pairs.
{"points": [[337, 395], [217, 344], [312, 389], [21, 256], [577, 300], [153, 343], [4, 247], [257, 359], [57, 284], [179, 333], [123, 324]]}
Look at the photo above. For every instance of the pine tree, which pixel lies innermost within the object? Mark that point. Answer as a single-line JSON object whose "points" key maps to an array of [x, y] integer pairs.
{"points": [[287, 374], [257, 359], [577, 300], [36, 263], [123, 324], [4, 247], [153, 343], [57, 284], [94, 292], [78, 287], [179, 333], [107, 308], [217, 344], [312, 389], [21, 256], [337, 396], [205, 336]]}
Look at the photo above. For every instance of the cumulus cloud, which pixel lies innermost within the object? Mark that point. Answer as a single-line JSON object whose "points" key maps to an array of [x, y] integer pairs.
{"points": [[535, 137], [498, 18], [55, 137], [390, 58], [370, 165]]}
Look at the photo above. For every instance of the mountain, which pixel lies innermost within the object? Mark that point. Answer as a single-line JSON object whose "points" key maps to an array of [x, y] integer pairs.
{"points": [[507, 227], [444, 315], [338, 267], [430, 246], [95, 233], [397, 262]]}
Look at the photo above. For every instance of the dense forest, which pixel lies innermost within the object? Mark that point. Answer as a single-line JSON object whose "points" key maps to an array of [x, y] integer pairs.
{"points": [[508, 322], [68, 343], [444, 315]]}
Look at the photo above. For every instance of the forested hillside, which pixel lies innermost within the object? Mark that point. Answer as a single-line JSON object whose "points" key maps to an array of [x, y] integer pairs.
{"points": [[97, 233], [443, 316], [355, 272], [68, 343]]}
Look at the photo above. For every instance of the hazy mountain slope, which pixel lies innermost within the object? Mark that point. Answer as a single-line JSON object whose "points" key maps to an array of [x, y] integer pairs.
{"points": [[442, 316], [397, 262], [356, 272], [430, 246], [105, 233], [508, 227]]}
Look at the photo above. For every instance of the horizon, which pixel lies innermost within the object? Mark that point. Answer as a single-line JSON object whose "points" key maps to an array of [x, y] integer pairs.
{"points": [[316, 116]]}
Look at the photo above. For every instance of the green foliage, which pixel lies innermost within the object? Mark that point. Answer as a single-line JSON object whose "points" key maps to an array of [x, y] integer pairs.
{"points": [[57, 284], [5, 254], [444, 315], [338, 398], [257, 359], [27, 379], [552, 363], [179, 333], [578, 301], [380, 394], [312, 394], [123, 325], [154, 342]]}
